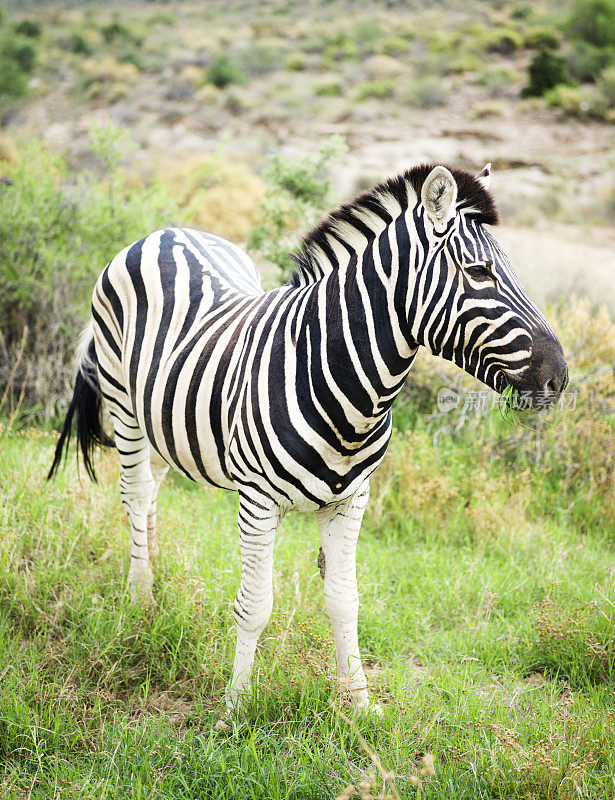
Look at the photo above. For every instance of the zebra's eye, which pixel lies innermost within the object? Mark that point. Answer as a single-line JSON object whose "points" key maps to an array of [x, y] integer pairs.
{"points": [[482, 269]]}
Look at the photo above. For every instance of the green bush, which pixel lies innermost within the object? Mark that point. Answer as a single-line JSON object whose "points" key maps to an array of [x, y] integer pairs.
{"points": [[223, 72], [329, 89], [132, 56], [606, 84], [541, 38], [586, 61], [503, 40], [115, 32], [296, 62], [17, 59], [22, 52], [523, 12], [427, 92], [593, 21], [56, 235], [264, 57], [496, 79], [341, 48], [577, 101], [77, 43], [393, 46], [29, 28], [378, 90], [545, 71], [367, 31], [298, 194]]}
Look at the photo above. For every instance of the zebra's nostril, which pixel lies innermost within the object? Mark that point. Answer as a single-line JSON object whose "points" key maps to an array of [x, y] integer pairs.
{"points": [[557, 383]]}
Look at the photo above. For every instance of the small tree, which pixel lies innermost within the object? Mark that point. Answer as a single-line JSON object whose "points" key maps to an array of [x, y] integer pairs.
{"points": [[593, 21], [545, 71], [56, 235], [298, 193]]}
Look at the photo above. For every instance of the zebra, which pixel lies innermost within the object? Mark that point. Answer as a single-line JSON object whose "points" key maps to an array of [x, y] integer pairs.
{"points": [[286, 396]]}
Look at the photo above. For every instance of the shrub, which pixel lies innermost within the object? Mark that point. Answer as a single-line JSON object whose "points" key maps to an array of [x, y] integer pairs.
{"points": [[17, 60], [116, 32], [523, 11], [490, 108], [105, 72], [295, 62], [393, 46], [313, 44], [20, 51], [297, 194], [341, 48], [586, 61], [540, 38], [593, 21], [264, 57], [329, 89], [56, 235], [568, 98], [465, 63], [578, 101], [606, 84], [77, 43], [381, 67], [503, 40], [545, 71], [427, 92], [367, 31], [132, 56], [378, 90], [224, 72], [29, 28], [496, 80]]}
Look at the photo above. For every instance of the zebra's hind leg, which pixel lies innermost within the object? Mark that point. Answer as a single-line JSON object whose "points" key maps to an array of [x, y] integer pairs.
{"points": [[339, 527], [137, 489], [258, 521], [159, 469]]}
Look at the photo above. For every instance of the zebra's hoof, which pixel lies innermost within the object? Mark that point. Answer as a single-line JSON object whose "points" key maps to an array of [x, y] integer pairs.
{"points": [[140, 580]]}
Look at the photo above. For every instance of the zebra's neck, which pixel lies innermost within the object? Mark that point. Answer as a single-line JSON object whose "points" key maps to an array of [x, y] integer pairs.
{"points": [[354, 325]]}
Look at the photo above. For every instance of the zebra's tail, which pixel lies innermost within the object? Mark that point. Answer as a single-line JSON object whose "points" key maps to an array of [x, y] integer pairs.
{"points": [[87, 405]]}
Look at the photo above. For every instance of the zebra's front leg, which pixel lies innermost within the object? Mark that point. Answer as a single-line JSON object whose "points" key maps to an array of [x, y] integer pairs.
{"points": [[339, 527], [258, 522]]}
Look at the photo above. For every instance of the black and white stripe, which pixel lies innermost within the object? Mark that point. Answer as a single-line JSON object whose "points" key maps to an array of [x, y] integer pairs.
{"points": [[286, 395]]}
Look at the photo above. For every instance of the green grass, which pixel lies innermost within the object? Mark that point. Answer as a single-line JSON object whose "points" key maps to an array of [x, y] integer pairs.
{"points": [[494, 653]]}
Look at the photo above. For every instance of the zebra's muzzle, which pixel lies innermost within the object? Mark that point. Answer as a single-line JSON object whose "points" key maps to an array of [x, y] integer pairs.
{"points": [[546, 376]]}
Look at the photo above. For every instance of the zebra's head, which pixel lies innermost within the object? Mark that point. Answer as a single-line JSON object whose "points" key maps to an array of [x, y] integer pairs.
{"points": [[467, 304]]}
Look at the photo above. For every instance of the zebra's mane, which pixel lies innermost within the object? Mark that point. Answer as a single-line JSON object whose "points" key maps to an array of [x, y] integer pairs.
{"points": [[370, 212]]}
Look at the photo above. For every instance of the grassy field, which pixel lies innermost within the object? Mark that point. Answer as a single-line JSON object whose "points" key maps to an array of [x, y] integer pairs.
{"points": [[487, 623], [487, 557]]}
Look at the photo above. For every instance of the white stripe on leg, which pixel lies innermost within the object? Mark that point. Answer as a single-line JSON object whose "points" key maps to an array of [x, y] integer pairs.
{"points": [[339, 527], [258, 522]]}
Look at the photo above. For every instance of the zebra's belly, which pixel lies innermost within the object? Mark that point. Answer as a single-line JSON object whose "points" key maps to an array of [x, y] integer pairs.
{"points": [[184, 415]]}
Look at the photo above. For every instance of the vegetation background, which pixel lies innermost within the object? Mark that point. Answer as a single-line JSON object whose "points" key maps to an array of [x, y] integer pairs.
{"points": [[486, 563]]}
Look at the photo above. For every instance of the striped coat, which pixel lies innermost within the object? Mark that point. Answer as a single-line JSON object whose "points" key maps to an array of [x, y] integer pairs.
{"points": [[286, 395]]}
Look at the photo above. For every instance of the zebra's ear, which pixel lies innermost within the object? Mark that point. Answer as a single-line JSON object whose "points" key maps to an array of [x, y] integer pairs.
{"points": [[439, 196], [484, 176]]}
